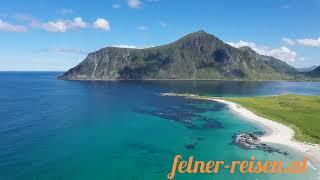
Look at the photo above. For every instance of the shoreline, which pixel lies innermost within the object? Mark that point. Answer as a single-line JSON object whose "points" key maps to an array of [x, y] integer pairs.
{"points": [[232, 80], [277, 133]]}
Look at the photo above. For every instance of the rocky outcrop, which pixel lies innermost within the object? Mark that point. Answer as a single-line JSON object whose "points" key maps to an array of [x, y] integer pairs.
{"points": [[251, 141]]}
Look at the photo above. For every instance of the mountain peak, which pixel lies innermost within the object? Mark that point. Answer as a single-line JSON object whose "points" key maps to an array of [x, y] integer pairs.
{"points": [[200, 33], [198, 55], [201, 37]]}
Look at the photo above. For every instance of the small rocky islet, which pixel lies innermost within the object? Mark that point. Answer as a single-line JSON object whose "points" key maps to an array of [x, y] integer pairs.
{"points": [[252, 141]]}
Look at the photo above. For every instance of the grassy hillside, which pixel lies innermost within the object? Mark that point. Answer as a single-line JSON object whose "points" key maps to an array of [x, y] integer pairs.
{"points": [[301, 113]]}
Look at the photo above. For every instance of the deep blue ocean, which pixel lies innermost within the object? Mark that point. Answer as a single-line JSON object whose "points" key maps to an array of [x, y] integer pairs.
{"points": [[124, 130]]}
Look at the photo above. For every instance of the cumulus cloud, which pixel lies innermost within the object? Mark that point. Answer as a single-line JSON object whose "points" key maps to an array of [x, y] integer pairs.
{"points": [[242, 43], [142, 28], [116, 6], [78, 23], [302, 42], [103, 24], [55, 26], [289, 41], [125, 46], [309, 42], [282, 53], [4, 26], [62, 25], [136, 4]]}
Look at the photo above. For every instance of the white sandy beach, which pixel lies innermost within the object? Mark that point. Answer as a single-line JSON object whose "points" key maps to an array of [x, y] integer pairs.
{"points": [[277, 133]]}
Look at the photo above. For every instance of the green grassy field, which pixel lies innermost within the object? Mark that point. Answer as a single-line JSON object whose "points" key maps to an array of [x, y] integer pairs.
{"points": [[301, 113]]}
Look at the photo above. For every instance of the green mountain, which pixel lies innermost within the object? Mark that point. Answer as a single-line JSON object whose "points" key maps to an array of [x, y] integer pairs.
{"points": [[315, 72], [307, 69], [198, 55]]}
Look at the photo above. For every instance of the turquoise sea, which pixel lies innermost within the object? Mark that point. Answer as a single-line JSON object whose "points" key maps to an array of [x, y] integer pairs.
{"points": [[124, 130]]}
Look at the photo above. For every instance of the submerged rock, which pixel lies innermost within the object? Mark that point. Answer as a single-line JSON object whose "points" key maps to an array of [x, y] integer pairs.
{"points": [[188, 112], [190, 146]]}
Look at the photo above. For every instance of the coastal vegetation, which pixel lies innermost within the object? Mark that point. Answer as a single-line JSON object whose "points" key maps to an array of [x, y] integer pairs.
{"points": [[300, 112]]}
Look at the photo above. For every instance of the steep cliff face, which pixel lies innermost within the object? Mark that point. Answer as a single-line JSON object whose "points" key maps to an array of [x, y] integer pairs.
{"points": [[198, 55]]}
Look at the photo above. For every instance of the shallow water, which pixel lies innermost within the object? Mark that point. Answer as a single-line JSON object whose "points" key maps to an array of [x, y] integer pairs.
{"points": [[52, 129]]}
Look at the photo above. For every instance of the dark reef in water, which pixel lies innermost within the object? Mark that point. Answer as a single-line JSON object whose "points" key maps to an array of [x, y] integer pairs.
{"points": [[185, 111], [252, 141], [200, 138], [190, 146]]}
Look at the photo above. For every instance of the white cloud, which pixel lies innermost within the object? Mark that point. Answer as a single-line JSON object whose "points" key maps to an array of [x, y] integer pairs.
{"points": [[302, 42], [61, 25], [309, 42], [116, 6], [125, 46], [103, 24], [58, 26], [78, 23], [4, 26], [134, 4], [282, 53], [289, 41], [55, 26], [242, 43], [142, 28]]}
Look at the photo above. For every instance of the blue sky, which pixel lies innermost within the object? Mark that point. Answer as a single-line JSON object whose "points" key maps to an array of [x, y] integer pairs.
{"points": [[56, 35]]}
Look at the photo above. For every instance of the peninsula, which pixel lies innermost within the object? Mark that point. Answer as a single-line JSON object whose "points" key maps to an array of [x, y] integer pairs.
{"points": [[290, 120]]}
